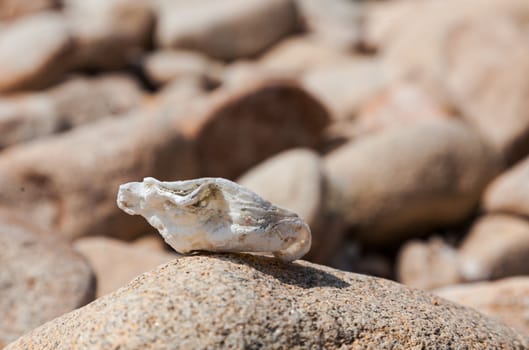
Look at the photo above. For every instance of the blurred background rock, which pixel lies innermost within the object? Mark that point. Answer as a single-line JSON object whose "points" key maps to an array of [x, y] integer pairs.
{"points": [[398, 129]]}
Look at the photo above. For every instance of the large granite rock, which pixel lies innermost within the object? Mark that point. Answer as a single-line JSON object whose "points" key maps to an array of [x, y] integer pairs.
{"points": [[404, 182], [40, 278], [243, 301]]}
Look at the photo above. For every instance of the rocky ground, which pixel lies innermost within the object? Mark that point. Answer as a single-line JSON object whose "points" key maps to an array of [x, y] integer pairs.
{"points": [[398, 129]]}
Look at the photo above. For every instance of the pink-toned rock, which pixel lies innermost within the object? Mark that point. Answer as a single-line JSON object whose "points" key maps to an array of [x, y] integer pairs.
{"points": [[41, 278], [509, 192], [249, 124], [162, 67], [497, 246], [428, 265], [400, 105], [11, 9], [34, 51], [226, 30], [109, 33], [26, 117], [116, 263], [506, 300], [152, 241], [294, 180], [299, 54], [406, 181], [344, 87]]}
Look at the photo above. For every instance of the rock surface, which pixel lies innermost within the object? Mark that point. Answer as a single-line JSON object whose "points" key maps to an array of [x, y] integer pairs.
{"points": [[509, 192], [68, 183], [428, 265], [241, 301], [506, 300], [40, 278], [497, 246], [115, 263], [403, 182], [294, 180], [252, 123], [225, 30], [42, 40]]}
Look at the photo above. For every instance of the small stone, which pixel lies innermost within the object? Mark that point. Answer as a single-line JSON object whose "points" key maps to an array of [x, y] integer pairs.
{"points": [[497, 246], [116, 263], [242, 301], [506, 300]]}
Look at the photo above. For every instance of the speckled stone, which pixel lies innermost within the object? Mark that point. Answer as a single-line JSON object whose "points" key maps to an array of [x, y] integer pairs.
{"points": [[40, 279], [250, 302]]}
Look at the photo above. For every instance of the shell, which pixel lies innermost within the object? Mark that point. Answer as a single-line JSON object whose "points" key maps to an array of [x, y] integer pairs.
{"points": [[216, 214]]}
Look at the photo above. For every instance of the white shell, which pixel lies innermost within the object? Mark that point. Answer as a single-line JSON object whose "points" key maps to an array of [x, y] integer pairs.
{"points": [[216, 214]]}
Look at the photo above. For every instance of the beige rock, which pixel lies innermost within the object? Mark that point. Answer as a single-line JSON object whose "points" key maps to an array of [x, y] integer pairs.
{"points": [[335, 22], [116, 263], [506, 300], [249, 124], [226, 30], [69, 183], [294, 180], [343, 87], [399, 105], [34, 51], [152, 241], [243, 73], [299, 54], [162, 67], [41, 278], [497, 246], [428, 265], [403, 182], [491, 88], [242, 301], [11, 9], [509, 192], [25, 117], [109, 33]]}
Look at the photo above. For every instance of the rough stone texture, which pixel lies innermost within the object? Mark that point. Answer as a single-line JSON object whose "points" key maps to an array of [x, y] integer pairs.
{"points": [[509, 192], [29, 50], [164, 66], [69, 183], [116, 263], [11, 9], [343, 87], [496, 246], [226, 30], [109, 33], [506, 300], [249, 124], [241, 301], [334, 22], [403, 182], [294, 180], [399, 105], [40, 278], [428, 265]]}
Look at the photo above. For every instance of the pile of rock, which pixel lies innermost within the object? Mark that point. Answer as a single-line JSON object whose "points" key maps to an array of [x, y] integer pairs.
{"points": [[397, 129]]}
